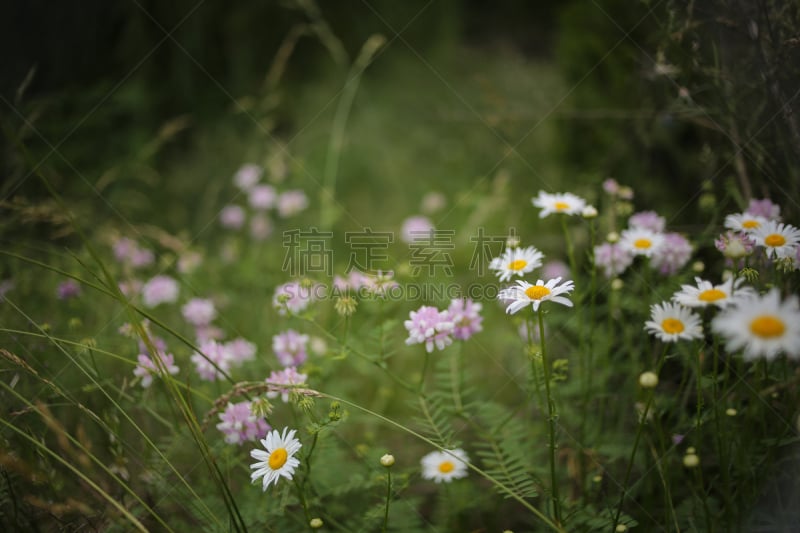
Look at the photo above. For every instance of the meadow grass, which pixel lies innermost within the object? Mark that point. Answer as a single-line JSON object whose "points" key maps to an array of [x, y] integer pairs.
{"points": [[567, 412]]}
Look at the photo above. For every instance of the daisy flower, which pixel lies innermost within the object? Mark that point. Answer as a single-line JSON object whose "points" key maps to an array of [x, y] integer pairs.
{"points": [[744, 222], [445, 466], [430, 326], [641, 241], [779, 240], [277, 459], [566, 203], [762, 325], [671, 323], [705, 294], [517, 261], [524, 294]]}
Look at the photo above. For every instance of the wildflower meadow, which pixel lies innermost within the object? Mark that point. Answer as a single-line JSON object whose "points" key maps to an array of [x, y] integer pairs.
{"points": [[408, 278]]}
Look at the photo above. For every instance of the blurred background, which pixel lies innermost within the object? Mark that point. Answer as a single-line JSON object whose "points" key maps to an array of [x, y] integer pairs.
{"points": [[131, 105]]}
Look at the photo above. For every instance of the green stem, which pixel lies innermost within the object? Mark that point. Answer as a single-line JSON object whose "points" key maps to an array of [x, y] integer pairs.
{"points": [[301, 495], [551, 407], [534, 368], [456, 379], [570, 247], [328, 189], [496, 482], [699, 378], [588, 350], [639, 431], [424, 371], [388, 499]]}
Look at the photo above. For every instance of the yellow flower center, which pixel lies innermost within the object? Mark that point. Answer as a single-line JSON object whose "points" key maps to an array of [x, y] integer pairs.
{"points": [[278, 458], [537, 292], [672, 325], [445, 467], [643, 243], [767, 326], [711, 295], [517, 264], [750, 224], [774, 240], [561, 206]]}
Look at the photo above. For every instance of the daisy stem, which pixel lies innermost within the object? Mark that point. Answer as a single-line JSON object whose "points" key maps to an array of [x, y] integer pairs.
{"points": [[570, 247], [551, 408], [698, 473], [587, 351], [639, 431], [534, 367], [726, 481], [388, 499], [302, 496], [699, 379]]}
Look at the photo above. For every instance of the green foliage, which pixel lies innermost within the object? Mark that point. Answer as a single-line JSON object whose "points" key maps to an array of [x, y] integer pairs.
{"points": [[555, 427]]}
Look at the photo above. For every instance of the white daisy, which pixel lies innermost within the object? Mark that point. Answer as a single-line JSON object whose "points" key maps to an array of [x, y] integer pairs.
{"points": [[763, 326], [278, 460], [641, 241], [744, 222], [517, 261], [779, 240], [445, 466], [671, 323], [525, 293], [566, 203], [706, 294]]}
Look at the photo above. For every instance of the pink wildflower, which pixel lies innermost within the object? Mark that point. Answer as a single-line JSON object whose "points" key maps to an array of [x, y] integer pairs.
{"points": [[146, 368], [290, 347], [283, 382], [240, 425], [232, 217], [199, 311], [247, 176], [466, 318], [159, 289], [291, 202], [215, 353], [672, 255], [430, 326]]}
